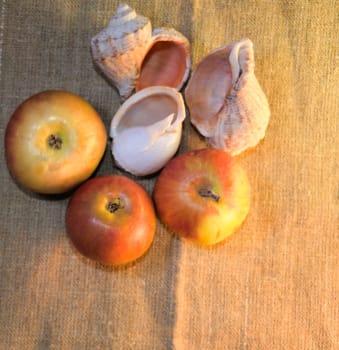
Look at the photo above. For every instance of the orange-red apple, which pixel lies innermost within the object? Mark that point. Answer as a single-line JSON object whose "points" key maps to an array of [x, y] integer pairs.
{"points": [[111, 219], [54, 141], [202, 195]]}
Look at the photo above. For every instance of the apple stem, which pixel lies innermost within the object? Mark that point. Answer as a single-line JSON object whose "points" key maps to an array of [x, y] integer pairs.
{"points": [[113, 205], [207, 193], [54, 141]]}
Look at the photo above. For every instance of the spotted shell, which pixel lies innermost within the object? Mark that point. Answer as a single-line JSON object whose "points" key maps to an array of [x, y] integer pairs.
{"points": [[226, 102]]}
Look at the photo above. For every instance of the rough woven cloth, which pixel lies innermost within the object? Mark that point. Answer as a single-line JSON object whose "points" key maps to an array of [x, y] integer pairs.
{"points": [[273, 284]]}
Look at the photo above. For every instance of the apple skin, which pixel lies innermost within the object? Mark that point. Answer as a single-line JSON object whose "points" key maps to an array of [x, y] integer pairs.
{"points": [[54, 141], [202, 195], [111, 219]]}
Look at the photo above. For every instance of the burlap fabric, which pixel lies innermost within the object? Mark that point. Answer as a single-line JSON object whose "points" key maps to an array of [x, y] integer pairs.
{"points": [[272, 285]]}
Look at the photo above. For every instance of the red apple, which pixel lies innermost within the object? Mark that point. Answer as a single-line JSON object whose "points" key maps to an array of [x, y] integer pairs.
{"points": [[111, 219], [54, 141], [202, 195]]}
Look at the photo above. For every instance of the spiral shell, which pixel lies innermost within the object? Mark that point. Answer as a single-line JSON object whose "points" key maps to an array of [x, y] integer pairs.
{"points": [[119, 49], [225, 100], [131, 57]]}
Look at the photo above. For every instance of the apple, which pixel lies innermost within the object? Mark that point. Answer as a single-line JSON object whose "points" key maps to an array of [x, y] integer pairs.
{"points": [[54, 141], [202, 195], [111, 219]]}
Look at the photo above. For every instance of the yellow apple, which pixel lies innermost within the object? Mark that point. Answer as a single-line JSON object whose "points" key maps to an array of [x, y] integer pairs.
{"points": [[54, 141]]}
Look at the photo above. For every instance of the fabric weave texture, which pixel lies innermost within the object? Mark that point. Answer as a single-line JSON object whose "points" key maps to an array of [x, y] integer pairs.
{"points": [[273, 284]]}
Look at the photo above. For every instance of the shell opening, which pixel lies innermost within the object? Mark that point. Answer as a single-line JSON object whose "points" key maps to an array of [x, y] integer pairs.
{"points": [[207, 90], [226, 103], [148, 111], [146, 130], [164, 64]]}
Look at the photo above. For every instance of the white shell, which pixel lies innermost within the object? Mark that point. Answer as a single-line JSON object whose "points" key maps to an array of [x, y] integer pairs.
{"points": [[147, 130]]}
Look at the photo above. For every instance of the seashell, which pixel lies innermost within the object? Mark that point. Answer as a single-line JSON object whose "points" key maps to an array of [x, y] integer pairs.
{"points": [[146, 130], [131, 57], [118, 50], [167, 60], [225, 100]]}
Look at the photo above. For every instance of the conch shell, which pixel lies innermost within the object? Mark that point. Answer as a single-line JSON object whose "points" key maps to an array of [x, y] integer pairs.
{"points": [[131, 57], [119, 49], [146, 130], [225, 100]]}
